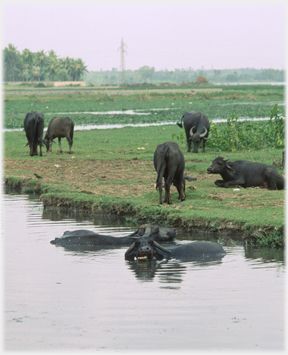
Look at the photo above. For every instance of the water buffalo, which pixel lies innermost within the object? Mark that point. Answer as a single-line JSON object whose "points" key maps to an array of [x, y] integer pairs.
{"points": [[146, 248], [246, 174], [60, 127], [196, 126], [169, 163], [88, 238], [33, 126]]}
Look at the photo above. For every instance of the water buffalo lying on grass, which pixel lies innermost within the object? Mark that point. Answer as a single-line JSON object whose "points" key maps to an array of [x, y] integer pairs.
{"points": [[33, 126], [169, 163], [146, 248], [60, 127], [89, 238], [196, 126], [246, 174]]}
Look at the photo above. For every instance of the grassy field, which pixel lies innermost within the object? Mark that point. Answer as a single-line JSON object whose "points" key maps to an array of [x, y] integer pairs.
{"points": [[111, 170], [160, 105]]}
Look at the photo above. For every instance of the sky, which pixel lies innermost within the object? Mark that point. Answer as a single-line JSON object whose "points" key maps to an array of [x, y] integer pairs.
{"points": [[166, 35]]}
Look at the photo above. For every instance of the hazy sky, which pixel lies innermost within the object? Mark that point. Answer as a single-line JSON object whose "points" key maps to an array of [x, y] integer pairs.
{"points": [[161, 34]]}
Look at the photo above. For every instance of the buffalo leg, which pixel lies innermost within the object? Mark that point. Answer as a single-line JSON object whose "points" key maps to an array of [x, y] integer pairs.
{"points": [[181, 190], [70, 142], [160, 193], [59, 142], [188, 145], [31, 149], [203, 146], [40, 147], [167, 194], [168, 183]]}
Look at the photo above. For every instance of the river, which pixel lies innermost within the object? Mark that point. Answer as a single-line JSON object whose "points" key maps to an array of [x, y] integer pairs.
{"points": [[61, 299]]}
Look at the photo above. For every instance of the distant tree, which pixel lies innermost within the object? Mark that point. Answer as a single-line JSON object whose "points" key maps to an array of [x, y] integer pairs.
{"points": [[12, 63], [146, 73]]}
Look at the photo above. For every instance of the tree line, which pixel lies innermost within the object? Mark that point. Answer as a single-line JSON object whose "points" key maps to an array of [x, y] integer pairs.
{"points": [[46, 66], [40, 66], [149, 75]]}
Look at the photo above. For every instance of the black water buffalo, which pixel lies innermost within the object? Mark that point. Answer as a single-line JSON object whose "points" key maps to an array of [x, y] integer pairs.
{"points": [[33, 126], [196, 126], [169, 163], [246, 174], [60, 127], [146, 248], [84, 237]]}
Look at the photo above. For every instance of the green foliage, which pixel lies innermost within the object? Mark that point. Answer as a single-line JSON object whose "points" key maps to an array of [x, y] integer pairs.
{"points": [[29, 66], [278, 124], [236, 135]]}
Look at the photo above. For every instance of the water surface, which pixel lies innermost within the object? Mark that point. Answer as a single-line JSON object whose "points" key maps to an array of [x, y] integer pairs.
{"points": [[60, 299]]}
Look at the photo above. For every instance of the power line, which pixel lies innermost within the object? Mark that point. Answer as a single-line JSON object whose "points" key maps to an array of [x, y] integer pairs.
{"points": [[122, 60]]}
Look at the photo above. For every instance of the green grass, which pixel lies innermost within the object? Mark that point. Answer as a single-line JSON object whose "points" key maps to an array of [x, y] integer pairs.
{"points": [[258, 212]]}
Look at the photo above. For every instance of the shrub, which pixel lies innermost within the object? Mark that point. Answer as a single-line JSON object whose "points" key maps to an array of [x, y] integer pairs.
{"points": [[236, 135]]}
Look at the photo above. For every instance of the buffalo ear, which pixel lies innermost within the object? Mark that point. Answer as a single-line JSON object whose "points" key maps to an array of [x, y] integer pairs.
{"points": [[229, 168]]}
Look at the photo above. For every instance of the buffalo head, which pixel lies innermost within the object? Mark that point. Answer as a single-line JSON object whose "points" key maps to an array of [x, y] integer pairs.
{"points": [[145, 248], [220, 166], [196, 138]]}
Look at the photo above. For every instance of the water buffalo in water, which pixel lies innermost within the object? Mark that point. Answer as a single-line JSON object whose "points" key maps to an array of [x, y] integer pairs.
{"points": [[246, 174], [169, 163], [88, 238], [60, 127], [146, 248], [33, 126], [196, 126]]}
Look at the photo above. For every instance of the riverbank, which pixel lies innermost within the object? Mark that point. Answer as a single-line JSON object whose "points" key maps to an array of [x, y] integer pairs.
{"points": [[115, 175]]}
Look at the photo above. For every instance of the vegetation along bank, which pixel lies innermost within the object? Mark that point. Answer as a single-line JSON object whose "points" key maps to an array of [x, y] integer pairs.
{"points": [[111, 170]]}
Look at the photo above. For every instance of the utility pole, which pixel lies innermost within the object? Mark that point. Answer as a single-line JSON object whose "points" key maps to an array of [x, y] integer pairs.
{"points": [[122, 60]]}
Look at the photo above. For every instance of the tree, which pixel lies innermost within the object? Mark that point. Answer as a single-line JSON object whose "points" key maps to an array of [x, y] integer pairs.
{"points": [[52, 68], [12, 63], [146, 73], [79, 68], [27, 60]]}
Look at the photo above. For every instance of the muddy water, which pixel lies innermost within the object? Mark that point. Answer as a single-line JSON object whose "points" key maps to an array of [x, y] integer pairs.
{"points": [[59, 299]]}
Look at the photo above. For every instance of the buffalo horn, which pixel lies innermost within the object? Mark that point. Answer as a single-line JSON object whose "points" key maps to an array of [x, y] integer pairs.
{"points": [[226, 159], [203, 134], [161, 248], [191, 131], [130, 248]]}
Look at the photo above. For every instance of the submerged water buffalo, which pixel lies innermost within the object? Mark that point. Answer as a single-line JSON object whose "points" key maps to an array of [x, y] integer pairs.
{"points": [[60, 127], [246, 174], [88, 238], [196, 126], [146, 248], [33, 126], [169, 163]]}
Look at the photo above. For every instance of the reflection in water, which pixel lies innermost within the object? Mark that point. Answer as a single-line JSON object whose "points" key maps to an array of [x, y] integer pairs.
{"points": [[60, 299], [265, 254]]}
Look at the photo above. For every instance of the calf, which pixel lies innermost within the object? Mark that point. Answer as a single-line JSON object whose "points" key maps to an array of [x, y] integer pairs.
{"points": [[169, 163], [246, 174], [33, 126], [60, 127]]}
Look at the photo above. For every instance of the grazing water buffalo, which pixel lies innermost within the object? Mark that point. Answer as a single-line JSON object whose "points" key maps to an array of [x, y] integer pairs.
{"points": [[33, 126], [146, 248], [196, 126], [169, 163], [60, 127], [246, 174], [88, 238]]}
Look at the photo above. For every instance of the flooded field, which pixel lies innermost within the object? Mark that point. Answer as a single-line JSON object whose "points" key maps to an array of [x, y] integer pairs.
{"points": [[61, 299]]}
